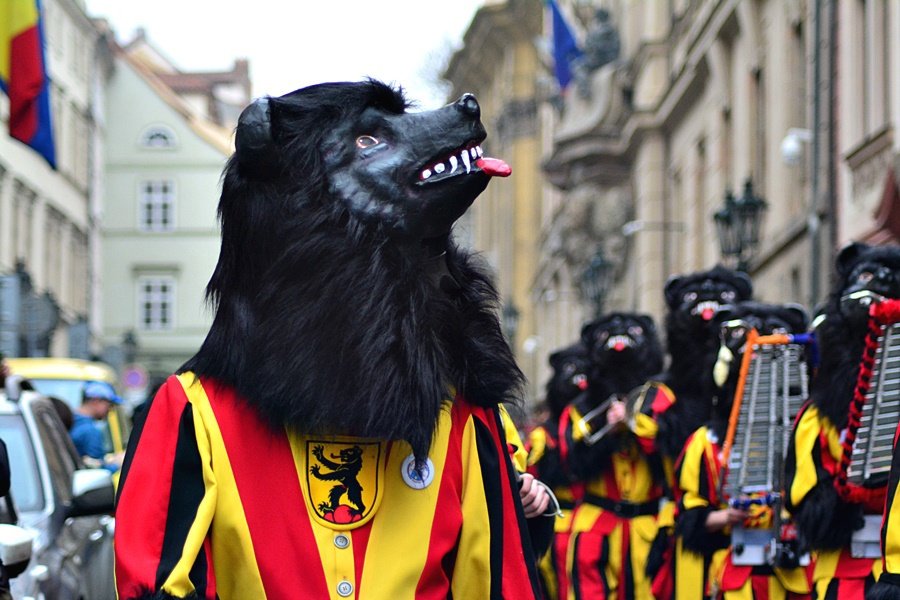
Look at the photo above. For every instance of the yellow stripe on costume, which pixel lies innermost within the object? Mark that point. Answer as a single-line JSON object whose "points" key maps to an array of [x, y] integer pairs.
{"points": [[691, 472], [391, 535], [230, 583], [520, 455], [537, 444], [475, 538], [806, 438], [892, 539]]}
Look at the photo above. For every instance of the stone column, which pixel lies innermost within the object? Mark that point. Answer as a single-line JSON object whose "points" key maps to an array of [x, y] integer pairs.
{"points": [[649, 192]]}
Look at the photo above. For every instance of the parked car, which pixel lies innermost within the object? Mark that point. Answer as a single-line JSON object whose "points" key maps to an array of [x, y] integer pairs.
{"points": [[66, 506], [65, 378]]}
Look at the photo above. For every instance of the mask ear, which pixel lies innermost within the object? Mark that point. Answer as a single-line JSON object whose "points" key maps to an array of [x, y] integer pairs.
{"points": [[799, 318], [587, 334], [673, 291], [848, 257], [254, 145], [647, 322]]}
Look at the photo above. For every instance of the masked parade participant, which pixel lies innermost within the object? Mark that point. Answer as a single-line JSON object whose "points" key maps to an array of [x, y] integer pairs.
{"points": [[706, 556], [546, 455], [338, 433], [613, 455], [681, 398], [834, 517]]}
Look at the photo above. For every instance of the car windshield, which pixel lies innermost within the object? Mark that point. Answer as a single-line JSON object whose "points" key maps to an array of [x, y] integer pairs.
{"points": [[64, 389], [26, 481]]}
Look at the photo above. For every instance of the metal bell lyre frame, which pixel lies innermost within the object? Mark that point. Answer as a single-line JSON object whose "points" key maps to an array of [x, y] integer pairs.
{"points": [[774, 353], [875, 409]]}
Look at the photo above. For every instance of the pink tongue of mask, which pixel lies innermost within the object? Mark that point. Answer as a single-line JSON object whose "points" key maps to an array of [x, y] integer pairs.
{"points": [[493, 167], [619, 346], [707, 314]]}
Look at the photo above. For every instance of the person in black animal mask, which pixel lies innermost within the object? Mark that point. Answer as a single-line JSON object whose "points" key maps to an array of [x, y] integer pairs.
{"points": [[546, 455], [611, 452], [682, 396], [828, 515], [704, 519]]}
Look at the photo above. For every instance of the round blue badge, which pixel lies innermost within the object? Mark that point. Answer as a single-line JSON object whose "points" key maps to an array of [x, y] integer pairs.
{"points": [[417, 475]]}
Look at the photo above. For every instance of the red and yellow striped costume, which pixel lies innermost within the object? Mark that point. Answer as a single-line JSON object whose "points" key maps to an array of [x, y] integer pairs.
{"points": [[616, 523], [703, 563], [813, 460], [546, 448], [889, 583], [216, 503]]}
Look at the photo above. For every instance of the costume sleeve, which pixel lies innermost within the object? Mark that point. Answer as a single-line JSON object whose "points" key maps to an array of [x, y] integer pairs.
{"points": [[697, 483], [888, 586], [494, 556], [823, 520], [165, 504], [584, 460]]}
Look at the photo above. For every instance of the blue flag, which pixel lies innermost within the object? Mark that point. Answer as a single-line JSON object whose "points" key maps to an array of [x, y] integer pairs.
{"points": [[565, 48]]}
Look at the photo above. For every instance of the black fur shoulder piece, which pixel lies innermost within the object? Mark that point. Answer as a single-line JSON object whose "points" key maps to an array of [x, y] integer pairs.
{"points": [[841, 335], [341, 303]]}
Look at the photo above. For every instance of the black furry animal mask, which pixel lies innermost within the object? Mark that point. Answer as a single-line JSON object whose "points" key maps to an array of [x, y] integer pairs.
{"points": [[570, 370], [618, 338], [328, 319], [866, 268], [414, 174], [698, 297]]}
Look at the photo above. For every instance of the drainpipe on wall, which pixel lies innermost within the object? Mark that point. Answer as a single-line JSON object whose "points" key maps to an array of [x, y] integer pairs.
{"points": [[814, 222]]}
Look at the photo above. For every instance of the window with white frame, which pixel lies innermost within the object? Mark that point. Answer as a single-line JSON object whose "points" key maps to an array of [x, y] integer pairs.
{"points": [[156, 303], [157, 205]]}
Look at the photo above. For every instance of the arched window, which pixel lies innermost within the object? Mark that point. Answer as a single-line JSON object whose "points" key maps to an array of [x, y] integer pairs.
{"points": [[158, 137]]}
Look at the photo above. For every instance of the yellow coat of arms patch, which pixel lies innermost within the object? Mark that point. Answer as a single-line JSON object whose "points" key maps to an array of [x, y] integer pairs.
{"points": [[343, 481]]}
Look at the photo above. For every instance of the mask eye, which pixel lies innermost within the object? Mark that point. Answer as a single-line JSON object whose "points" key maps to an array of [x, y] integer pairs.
{"points": [[727, 295], [865, 277], [636, 330], [366, 141], [690, 296], [738, 333], [601, 336]]}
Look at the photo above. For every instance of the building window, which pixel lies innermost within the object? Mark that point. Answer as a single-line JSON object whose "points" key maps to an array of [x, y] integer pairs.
{"points": [[157, 205], [156, 303], [157, 137]]}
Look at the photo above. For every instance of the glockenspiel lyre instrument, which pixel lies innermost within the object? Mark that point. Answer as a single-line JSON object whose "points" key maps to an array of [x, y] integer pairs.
{"points": [[772, 387], [873, 418]]}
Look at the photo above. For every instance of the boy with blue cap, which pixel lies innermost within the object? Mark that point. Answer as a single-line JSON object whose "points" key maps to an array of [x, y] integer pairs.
{"points": [[97, 400]]}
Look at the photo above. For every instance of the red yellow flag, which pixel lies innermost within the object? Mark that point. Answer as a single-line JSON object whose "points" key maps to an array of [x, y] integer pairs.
{"points": [[23, 75]]}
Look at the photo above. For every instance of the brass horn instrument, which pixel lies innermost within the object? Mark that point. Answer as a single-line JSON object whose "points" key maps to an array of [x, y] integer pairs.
{"points": [[593, 426]]}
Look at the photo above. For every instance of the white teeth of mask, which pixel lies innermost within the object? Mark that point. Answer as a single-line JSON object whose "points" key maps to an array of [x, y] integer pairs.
{"points": [[426, 174], [453, 163], [473, 153], [480, 151], [465, 159], [439, 168]]}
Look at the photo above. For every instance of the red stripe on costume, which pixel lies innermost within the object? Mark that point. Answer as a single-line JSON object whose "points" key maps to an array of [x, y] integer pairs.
{"points": [[268, 484], [447, 520], [210, 571], [360, 537], [26, 80], [516, 581], [153, 461], [851, 589]]}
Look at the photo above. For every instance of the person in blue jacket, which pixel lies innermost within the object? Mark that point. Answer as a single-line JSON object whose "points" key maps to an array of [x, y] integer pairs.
{"points": [[98, 399]]}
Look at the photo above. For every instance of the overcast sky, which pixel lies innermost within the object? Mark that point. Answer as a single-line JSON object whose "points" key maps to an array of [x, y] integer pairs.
{"points": [[295, 43]]}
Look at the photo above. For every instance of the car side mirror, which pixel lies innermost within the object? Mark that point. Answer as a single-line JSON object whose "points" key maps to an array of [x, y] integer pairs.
{"points": [[93, 493], [15, 548]]}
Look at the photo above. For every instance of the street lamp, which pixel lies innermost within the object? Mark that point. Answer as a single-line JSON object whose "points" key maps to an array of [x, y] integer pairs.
{"points": [[596, 280], [129, 346], [510, 316], [738, 225]]}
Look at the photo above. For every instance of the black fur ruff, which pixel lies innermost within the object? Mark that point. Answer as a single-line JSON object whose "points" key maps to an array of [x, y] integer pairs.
{"points": [[326, 324]]}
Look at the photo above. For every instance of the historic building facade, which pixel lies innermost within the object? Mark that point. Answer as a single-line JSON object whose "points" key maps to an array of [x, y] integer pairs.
{"points": [[49, 219], [674, 106], [165, 155]]}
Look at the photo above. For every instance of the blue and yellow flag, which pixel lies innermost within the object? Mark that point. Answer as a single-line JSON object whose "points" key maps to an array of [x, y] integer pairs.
{"points": [[23, 75]]}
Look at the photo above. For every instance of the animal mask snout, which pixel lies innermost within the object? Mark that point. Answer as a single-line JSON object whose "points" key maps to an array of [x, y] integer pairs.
{"points": [[468, 104]]}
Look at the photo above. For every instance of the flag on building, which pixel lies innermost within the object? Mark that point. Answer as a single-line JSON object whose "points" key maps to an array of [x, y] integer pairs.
{"points": [[565, 48], [23, 75]]}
